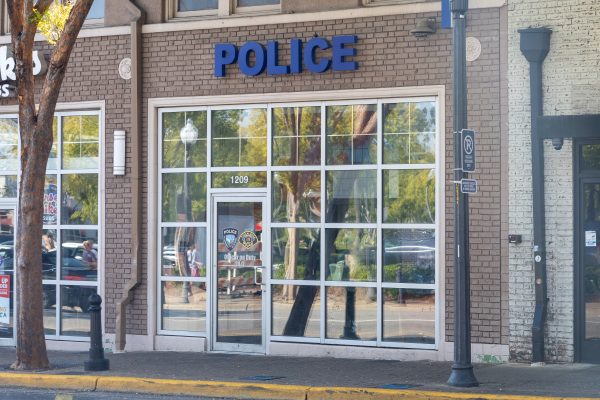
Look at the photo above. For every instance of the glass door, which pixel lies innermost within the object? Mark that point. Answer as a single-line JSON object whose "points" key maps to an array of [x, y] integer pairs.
{"points": [[7, 276], [238, 268], [589, 271]]}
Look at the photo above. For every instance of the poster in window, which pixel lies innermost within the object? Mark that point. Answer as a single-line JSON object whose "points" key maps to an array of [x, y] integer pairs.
{"points": [[5, 299], [50, 204]]}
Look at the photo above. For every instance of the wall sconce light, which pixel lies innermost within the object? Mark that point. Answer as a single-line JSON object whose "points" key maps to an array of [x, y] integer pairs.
{"points": [[119, 153], [557, 143], [424, 28]]}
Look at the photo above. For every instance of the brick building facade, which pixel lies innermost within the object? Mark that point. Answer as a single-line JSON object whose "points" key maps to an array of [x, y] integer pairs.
{"points": [[393, 283], [570, 88]]}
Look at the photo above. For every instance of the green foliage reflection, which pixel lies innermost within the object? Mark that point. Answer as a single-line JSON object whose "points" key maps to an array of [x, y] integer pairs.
{"points": [[80, 199]]}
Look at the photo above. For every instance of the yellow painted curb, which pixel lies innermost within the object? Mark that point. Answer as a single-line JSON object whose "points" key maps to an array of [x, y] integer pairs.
{"points": [[48, 381], [237, 390], [349, 393], [241, 390]]}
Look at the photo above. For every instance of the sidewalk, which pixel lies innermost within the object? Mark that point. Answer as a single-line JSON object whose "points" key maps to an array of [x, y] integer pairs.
{"points": [[268, 377]]}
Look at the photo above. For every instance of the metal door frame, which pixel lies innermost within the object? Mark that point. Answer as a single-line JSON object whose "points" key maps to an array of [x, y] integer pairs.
{"points": [[229, 197], [4, 205], [584, 352]]}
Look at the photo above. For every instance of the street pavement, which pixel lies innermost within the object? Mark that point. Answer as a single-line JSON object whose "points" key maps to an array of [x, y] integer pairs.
{"points": [[236, 376]]}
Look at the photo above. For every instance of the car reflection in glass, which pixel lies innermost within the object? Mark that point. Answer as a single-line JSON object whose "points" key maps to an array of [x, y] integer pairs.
{"points": [[410, 260], [73, 268]]}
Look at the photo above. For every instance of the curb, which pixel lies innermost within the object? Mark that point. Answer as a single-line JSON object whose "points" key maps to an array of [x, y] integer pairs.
{"points": [[240, 390]]}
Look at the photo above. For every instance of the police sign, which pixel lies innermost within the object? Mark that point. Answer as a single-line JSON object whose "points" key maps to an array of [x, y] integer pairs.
{"points": [[317, 55], [467, 140]]}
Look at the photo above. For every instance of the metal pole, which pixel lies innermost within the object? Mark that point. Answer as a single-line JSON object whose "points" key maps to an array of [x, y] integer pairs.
{"points": [[462, 370]]}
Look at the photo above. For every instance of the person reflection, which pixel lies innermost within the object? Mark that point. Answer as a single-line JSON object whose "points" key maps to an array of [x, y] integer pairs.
{"points": [[89, 256], [48, 242]]}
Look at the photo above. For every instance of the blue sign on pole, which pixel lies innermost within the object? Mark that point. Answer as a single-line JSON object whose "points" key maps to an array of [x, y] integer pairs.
{"points": [[446, 14]]}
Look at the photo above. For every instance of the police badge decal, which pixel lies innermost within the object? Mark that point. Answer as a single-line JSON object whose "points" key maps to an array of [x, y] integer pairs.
{"points": [[230, 236]]}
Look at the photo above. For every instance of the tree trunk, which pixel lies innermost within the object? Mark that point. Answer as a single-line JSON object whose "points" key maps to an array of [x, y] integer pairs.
{"points": [[35, 125], [31, 351]]}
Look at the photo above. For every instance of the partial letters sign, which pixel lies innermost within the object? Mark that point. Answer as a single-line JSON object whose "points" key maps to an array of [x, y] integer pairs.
{"points": [[317, 55], [467, 137], [7, 70], [5, 299]]}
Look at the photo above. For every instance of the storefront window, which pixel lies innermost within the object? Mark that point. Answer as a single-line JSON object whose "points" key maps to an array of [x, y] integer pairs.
{"points": [[352, 225], [80, 142], [409, 133], [71, 256], [239, 137], [9, 144], [183, 241], [352, 134]]}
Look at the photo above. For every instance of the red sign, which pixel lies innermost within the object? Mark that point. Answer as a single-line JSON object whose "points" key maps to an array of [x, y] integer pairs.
{"points": [[5, 286]]}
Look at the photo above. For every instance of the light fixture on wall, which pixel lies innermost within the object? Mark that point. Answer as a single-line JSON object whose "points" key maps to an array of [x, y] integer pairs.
{"points": [[424, 28], [557, 143], [119, 153]]}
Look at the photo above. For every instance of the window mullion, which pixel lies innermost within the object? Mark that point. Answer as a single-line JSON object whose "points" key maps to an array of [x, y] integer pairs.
{"points": [[224, 8]]}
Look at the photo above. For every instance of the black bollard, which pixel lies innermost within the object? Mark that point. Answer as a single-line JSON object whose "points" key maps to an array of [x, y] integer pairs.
{"points": [[97, 362]]}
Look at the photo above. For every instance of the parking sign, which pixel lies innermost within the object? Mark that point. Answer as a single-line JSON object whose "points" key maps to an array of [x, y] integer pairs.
{"points": [[467, 141]]}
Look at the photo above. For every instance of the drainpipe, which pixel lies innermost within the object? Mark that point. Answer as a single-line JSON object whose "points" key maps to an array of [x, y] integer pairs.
{"points": [[136, 181], [535, 44]]}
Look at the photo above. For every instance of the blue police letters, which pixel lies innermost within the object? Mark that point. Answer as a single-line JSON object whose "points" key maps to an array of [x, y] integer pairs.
{"points": [[253, 58]]}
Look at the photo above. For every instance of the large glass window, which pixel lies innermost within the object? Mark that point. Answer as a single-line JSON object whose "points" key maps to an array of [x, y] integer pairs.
{"points": [[183, 235], [353, 214], [71, 254], [70, 240]]}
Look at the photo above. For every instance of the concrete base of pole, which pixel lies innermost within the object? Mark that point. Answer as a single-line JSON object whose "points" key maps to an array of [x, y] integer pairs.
{"points": [[96, 365], [462, 376]]}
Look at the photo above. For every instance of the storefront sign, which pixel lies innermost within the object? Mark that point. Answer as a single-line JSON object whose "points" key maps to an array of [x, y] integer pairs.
{"points": [[7, 70], [5, 299], [253, 58]]}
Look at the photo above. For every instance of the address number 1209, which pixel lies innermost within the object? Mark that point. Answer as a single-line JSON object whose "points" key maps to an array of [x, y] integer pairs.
{"points": [[239, 179]]}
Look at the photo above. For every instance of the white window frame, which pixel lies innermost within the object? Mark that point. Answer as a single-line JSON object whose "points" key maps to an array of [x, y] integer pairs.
{"points": [[89, 108], [323, 99], [225, 8]]}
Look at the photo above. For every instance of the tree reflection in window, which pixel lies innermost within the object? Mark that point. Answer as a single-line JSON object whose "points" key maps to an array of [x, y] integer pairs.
{"points": [[297, 136], [239, 137], [79, 199], [352, 134]]}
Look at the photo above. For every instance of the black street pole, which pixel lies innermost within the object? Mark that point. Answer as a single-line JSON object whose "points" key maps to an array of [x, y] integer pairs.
{"points": [[462, 370]]}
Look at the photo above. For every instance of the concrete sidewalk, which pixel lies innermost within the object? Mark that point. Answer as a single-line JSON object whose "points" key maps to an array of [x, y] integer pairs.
{"points": [[268, 377]]}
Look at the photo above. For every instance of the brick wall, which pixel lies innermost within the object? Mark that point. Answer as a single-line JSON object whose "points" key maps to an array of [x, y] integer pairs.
{"points": [[179, 64], [388, 57], [571, 86]]}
